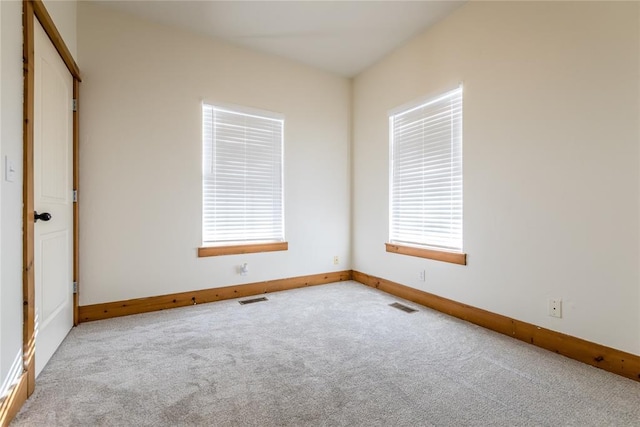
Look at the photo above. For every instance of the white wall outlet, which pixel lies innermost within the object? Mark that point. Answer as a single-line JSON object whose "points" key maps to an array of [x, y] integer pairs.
{"points": [[555, 307], [336, 260], [423, 275]]}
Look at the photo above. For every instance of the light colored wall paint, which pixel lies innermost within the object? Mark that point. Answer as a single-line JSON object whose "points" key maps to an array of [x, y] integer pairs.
{"points": [[551, 162], [140, 193], [64, 14], [11, 192]]}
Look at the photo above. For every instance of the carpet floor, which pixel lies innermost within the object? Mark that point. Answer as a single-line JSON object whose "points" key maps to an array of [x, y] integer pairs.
{"points": [[331, 355]]}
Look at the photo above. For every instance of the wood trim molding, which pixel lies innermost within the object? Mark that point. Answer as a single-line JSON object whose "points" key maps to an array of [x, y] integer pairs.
{"points": [[28, 278], [144, 305], [207, 251], [10, 406], [49, 27], [452, 257], [609, 359]]}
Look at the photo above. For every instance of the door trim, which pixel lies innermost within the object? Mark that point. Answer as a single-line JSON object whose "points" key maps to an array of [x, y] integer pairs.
{"points": [[31, 9]]}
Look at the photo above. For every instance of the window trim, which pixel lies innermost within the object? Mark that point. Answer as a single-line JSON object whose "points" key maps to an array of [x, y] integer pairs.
{"points": [[459, 258], [250, 248], [422, 250]]}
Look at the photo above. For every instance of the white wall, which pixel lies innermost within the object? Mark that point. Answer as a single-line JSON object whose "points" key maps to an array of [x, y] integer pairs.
{"points": [[63, 13], [140, 151], [11, 192], [551, 162], [11, 87]]}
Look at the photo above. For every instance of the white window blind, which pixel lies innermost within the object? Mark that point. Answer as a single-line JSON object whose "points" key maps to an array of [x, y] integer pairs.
{"points": [[426, 173], [242, 176]]}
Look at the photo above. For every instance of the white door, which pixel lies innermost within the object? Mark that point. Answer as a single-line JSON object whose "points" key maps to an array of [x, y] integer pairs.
{"points": [[53, 195]]}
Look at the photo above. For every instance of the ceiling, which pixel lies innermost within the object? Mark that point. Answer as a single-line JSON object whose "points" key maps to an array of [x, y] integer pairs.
{"points": [[344, 37]]}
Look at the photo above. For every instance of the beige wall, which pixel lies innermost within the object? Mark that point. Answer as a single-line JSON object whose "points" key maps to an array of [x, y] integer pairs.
{"points": [[11, 192], [551, 173], [64, 14], [140, 194]]}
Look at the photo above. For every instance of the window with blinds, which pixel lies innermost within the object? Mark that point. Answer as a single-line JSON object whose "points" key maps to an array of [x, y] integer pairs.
{"points": [[426, 173], [242, 180]]}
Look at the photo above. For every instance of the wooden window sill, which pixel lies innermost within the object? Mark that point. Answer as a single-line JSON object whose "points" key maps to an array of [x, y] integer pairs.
{"points": [[438, 255], [242, 249]]}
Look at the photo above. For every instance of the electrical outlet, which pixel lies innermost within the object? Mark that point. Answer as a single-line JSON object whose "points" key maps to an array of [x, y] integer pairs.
{"points": [[336, 260], [555, 307], [423, 275]]}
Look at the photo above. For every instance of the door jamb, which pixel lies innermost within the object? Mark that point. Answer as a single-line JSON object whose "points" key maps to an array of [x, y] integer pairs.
{"points": [[31, 9]]}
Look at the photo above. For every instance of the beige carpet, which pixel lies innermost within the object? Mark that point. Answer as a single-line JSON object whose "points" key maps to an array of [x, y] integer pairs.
{"points": [[331, 355]]}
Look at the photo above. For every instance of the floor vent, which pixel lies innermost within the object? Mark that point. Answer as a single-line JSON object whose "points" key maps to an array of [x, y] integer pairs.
{"points": [[403, 307], [251, 301]]}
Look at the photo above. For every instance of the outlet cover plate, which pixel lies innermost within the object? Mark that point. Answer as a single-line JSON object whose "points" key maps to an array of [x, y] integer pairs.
{"points": [[9, 170], [555, 307]]}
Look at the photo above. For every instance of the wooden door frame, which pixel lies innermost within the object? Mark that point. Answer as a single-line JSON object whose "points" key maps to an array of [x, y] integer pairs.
{"points": [[36, 9]]}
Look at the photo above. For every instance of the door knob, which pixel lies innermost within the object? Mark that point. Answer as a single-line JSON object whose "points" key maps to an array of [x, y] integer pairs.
{"points": [[44, 216]]}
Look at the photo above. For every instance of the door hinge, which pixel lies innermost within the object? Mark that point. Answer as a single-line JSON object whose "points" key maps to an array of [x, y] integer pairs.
{"points": [[75, 287], [75, 196], [74, 104]]}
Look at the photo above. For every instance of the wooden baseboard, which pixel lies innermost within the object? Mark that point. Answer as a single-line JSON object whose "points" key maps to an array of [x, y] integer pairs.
{"points": [[609, 359], [10, 406], [144, 305]]}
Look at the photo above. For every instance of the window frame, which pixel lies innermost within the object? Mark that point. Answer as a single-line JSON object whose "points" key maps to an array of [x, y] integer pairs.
{"points": [[424, 249], [217, 248]]}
